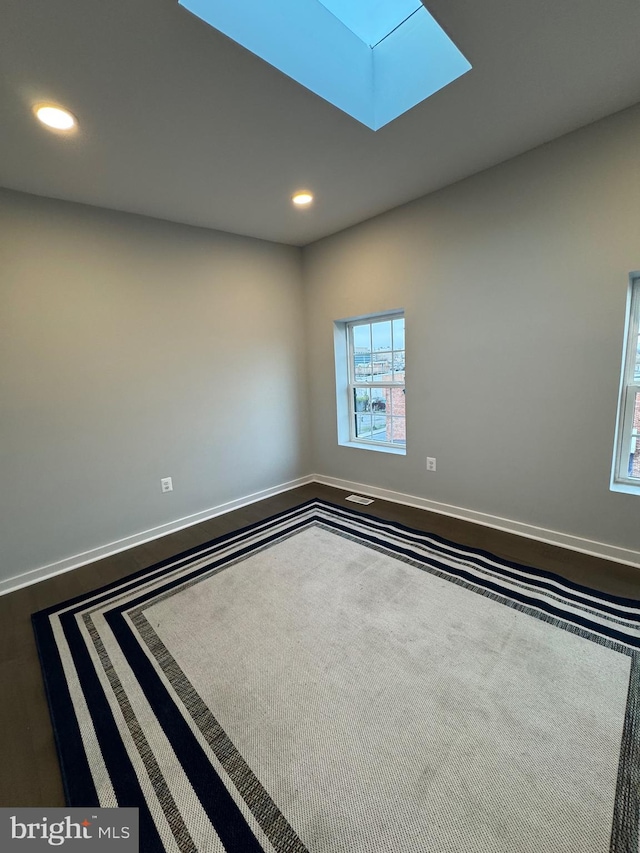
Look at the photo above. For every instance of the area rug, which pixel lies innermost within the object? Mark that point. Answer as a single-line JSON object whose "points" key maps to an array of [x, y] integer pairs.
{"points": [[328, 682]]}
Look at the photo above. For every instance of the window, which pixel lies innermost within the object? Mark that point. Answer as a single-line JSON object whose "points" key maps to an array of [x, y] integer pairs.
{"points": [[627, 453], [373, 386]]}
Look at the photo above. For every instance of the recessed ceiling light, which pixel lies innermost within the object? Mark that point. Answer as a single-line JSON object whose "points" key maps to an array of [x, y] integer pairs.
{"points": [[302, 198], [54, 117]]}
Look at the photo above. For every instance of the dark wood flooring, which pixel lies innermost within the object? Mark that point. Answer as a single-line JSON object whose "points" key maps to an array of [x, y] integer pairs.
{"points": [[29, 773]]}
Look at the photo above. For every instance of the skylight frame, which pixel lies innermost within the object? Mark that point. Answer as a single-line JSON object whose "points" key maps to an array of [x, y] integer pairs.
{"points": [[307, 42]]}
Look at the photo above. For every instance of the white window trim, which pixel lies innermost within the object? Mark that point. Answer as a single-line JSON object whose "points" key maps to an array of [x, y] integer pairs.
{"points": [[620, 481], [346, 383]]}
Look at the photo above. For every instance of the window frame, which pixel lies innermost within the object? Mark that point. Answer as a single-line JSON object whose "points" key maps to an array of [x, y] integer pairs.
{"points": [[629, 388], [353, 384]]}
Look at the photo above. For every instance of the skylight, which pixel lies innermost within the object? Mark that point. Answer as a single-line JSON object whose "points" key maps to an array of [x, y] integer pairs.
{"points": [[373, 59], [372, 20]]}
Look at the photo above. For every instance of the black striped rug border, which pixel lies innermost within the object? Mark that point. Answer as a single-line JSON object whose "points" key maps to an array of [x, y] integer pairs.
{"points": [[78, 783]]}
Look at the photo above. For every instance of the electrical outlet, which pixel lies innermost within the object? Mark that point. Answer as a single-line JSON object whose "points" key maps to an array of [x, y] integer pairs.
{"points": [[166, 484], [431, 463]]}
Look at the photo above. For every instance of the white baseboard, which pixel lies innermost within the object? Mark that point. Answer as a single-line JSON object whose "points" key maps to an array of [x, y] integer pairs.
{"points": [[86, 557], [553, 537], [530, 531]]}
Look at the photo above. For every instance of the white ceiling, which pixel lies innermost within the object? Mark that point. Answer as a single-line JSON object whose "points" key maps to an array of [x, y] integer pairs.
{"points": [[179, 122]]}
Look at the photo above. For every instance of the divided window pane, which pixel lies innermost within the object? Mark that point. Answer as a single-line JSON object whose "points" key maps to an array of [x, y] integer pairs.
{"points": [[376, 377], [631, 453], [628, 438], [398, 334], [381, 336]]}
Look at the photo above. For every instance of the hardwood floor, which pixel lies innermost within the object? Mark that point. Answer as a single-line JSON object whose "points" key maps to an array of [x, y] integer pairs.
{"points": [[29, 773]]}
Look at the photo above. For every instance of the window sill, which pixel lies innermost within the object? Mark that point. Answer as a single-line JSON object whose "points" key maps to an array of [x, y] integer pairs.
{"points": [[394, 451], [625, 488]]}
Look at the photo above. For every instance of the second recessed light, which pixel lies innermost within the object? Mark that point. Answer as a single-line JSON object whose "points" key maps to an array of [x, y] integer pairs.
{"points": [[302, 198], [55, 117]]}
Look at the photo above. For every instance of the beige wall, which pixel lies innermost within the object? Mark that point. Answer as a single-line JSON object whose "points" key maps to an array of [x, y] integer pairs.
{"points": [[514, 285], [133, 349]]}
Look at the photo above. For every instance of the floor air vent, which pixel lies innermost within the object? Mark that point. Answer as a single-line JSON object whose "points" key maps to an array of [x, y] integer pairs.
{"points": [[358, 499]]}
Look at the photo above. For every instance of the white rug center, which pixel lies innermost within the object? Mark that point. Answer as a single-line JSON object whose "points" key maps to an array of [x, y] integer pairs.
{"points": [[384, 709]]}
